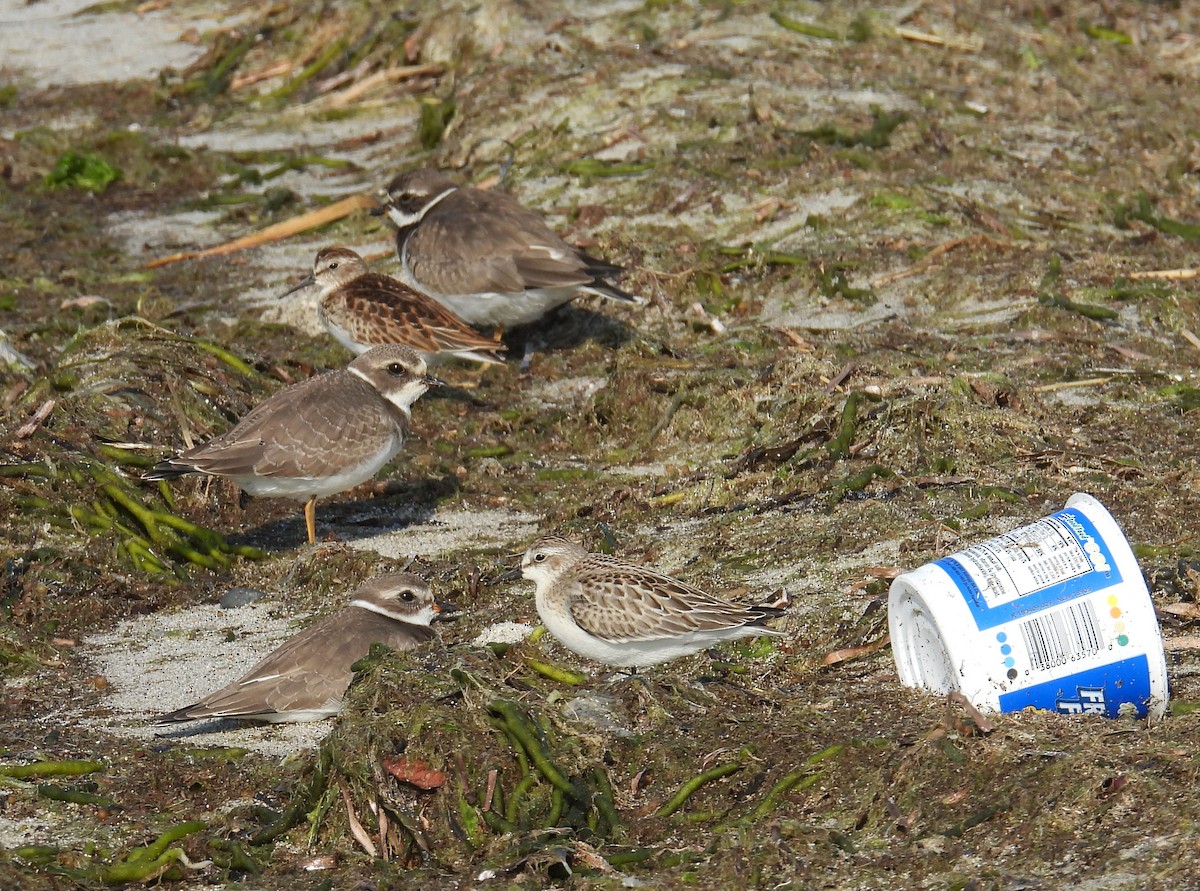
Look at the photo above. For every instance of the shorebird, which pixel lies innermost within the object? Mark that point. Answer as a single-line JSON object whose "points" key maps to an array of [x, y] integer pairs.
{"points": [[362, 309], [488, 258], [626, 615], [318, 437], [306, 678]]}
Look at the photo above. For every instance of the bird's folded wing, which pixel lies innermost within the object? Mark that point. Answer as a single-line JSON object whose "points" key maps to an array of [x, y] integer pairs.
{"points": [[409, 316], [470, 258], [632, 604], [292, 433]]}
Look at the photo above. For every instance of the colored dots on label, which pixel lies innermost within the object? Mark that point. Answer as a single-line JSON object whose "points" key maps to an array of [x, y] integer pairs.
{"points": [[1112, 600], [1115, 612], [1006, 650], [1123, 640], [1119, 627]]}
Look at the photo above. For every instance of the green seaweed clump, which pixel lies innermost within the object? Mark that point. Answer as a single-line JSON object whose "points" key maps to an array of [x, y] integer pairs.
{"points": [[84, 433], [82, 171]]}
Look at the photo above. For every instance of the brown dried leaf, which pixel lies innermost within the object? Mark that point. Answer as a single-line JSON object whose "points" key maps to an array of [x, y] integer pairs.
{"points": [[836, 656], [414, 772], [1182, 642], [982, 724]]}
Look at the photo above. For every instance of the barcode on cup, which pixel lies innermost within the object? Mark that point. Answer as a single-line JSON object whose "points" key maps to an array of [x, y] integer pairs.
{"points": [[1062, 636]]}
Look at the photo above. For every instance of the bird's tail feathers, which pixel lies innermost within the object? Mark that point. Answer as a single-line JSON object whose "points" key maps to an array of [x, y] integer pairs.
{"points": [[170, 469], [775, 607]]}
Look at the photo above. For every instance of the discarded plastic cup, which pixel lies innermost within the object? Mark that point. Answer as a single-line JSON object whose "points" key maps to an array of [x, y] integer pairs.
{"points": [[1054, 614]]}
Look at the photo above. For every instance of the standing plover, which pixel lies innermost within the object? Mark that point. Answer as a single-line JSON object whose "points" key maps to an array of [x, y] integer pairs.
{"points": [[485, 256], [318, 437]]}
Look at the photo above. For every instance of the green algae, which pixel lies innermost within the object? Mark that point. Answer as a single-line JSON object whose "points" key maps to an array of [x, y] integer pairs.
{"points": [[436, 115], [74, 768], [150, 537], [806, 28], [89, 172], [1142, 210]]}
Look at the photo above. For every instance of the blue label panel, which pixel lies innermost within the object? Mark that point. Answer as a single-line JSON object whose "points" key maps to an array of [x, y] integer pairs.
{"points": [[1097, 691], [990, 608]]}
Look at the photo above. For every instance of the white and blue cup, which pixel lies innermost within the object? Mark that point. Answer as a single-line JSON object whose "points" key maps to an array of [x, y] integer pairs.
{"points": [[1054, 615]]}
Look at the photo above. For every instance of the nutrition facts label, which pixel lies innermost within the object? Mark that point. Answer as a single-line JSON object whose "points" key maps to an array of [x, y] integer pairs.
{"points": [[1038, 566]]}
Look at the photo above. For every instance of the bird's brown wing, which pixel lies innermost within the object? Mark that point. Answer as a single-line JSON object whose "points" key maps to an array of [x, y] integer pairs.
{"points": [[622, 602], [309, 671], [383, 310], [293, 433], [477, 242]]}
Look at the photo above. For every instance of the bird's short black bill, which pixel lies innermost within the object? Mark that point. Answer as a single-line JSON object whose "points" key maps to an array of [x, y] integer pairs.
{"points": [[506, 576], [307, 282]]}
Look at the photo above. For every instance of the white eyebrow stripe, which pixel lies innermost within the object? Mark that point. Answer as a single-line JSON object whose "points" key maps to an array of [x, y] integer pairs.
{"points": [[431, 204], [404, 220]]}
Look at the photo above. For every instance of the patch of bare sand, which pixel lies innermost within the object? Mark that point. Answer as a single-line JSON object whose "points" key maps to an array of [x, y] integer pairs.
{"points": [[164, 661]]}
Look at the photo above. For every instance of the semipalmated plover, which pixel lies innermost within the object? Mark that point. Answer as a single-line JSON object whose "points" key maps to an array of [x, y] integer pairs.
{"points": [[362, 309], [625, 615], [306, 678], [318, 437], [484, 255]]}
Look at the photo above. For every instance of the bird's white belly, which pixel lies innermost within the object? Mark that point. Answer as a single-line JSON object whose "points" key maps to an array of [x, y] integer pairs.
{"points": [[301, 716], [342, 336], [304, 488], [509, 310], [488, 309], [624, 654], [635, 653]]}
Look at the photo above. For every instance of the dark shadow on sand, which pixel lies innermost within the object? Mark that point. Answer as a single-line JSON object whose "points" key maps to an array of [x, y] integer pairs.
{"points": [[402, 504], [566, 328], [184, 730]]}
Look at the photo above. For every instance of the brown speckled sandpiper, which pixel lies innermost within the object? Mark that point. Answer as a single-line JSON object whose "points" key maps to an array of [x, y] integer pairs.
{"points": [[362, 309], [626, 615]]}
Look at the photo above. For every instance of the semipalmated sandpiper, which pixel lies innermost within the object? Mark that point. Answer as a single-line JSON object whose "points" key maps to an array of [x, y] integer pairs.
{"points": [[626, 615]]}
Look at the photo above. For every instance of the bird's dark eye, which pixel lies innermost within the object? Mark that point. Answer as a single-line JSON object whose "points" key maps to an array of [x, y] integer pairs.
{"points": [[410, 203], [333, 265], [395, 369], [407, 595], [539, 557]]}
